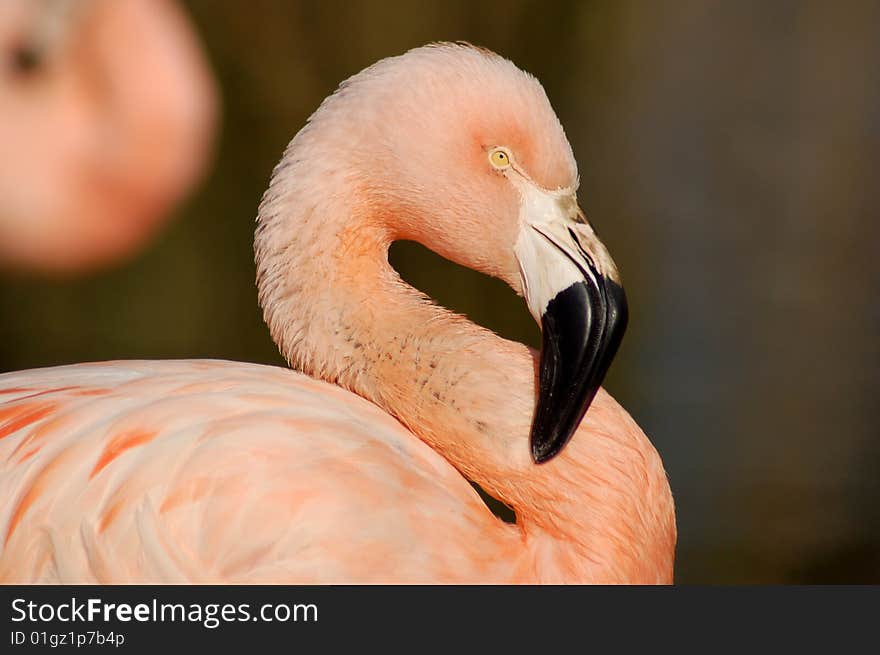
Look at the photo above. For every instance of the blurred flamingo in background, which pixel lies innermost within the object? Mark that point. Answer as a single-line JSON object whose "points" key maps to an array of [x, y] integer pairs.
{"points": [[213, 471], [107, 113]]}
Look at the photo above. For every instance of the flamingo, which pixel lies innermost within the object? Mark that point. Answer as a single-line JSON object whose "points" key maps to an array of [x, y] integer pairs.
{"points": [[354, 467], [107, 112]]}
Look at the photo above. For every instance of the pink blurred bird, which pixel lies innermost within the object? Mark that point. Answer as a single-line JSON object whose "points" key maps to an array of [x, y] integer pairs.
{"points": [[107, 113], [355, 470]]}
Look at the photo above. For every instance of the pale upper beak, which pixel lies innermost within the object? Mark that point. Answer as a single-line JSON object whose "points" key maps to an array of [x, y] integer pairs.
{"points": [[573, 291]]}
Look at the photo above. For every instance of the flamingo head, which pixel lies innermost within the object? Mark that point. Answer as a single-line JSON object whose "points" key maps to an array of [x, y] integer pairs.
{"points": [[107, 116], [456, 148]]}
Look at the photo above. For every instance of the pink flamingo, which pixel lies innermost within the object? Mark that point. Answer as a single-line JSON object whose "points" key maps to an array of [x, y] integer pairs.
{"points": [[107, 110], [213, 471]]}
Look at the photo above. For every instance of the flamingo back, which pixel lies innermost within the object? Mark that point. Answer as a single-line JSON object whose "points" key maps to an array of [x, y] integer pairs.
{"points": [[212, 471]]}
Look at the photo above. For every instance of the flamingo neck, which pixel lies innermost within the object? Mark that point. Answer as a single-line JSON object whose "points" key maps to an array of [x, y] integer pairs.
{"points": [[599, 512]]}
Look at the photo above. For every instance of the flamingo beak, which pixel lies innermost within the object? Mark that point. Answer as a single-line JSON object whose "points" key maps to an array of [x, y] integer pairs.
{"points": [[573, 291]]}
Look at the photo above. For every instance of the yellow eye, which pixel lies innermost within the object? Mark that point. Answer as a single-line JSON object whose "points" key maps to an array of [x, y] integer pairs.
{"points": [[499, 159]]}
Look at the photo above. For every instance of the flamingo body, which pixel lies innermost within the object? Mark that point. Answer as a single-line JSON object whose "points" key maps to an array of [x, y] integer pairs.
{"points": [[213, 471]]}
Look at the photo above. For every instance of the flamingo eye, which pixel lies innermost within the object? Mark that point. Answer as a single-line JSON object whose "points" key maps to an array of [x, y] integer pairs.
{"points": [[499, 158]]}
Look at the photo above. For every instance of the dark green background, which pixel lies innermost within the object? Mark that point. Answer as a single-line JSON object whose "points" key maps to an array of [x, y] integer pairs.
{"points": [[728, 154]]}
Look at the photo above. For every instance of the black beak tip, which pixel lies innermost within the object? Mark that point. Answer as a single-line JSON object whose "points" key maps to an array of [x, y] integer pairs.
{"points": [[581, 331], [543, 450]]}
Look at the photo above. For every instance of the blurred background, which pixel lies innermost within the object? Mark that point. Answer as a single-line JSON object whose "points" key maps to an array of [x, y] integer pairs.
{"points": [[728, 154]]}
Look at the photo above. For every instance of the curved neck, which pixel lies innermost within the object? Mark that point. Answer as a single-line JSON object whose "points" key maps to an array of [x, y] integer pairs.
{"points": [[599, 512]]}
